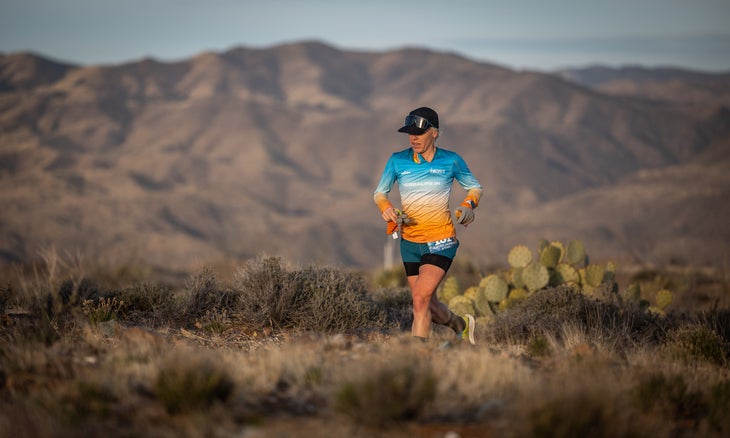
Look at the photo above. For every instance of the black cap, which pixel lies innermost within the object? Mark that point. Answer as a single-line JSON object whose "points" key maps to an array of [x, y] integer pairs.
{"points": [[425, 112]]}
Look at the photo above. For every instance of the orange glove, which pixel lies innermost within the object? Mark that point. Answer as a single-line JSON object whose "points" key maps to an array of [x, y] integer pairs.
{"points": [[392, 227]]}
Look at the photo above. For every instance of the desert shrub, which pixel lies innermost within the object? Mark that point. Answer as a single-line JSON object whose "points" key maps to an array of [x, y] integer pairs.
{"points": [[102, 310], [191, 384], [215, 323], [718, 321], [393, 277], [147, 303], [75, 293], [204, 295], [51, 314], [396, 304], [547, 311], [313, 298], [56, 310], [696, 342], [264, 298], [392, 391], [334, 301], [538, 346]]}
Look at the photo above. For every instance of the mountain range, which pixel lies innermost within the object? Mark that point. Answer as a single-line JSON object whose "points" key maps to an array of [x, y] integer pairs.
{"points": [[277, 151]]}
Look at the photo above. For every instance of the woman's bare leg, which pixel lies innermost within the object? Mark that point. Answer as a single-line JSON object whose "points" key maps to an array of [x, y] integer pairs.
{"points": [[425, 302]]}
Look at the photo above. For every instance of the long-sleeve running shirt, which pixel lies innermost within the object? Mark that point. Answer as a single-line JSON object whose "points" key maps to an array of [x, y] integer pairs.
{"points": [[424, 189]]}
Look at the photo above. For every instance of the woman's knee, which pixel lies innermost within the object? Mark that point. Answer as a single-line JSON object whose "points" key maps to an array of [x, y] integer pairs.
{"points": [[421, 301]]}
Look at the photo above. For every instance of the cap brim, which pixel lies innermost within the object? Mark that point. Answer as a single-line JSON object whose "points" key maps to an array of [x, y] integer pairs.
{"points": [[413, 130]]}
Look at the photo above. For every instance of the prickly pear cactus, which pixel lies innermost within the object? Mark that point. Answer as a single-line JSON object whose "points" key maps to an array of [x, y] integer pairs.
{"points": [[632, 293], [550, 256], [495, 288], [471, 292], [450, 289], [576, 252], [663, 299], [610, 275], [558, 244], [594, 275], [519, 256], [515, 297], [461, 305], [535, 276], [482, 305], [566, 274], [515, 277], [517, 294], [555, 265]]}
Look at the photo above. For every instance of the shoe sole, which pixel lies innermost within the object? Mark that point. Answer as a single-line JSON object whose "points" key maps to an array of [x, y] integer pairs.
{"points": [[471, 323]]}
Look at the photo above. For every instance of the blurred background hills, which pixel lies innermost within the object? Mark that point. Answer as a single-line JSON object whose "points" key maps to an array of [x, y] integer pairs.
{"points": [[232, 154]]}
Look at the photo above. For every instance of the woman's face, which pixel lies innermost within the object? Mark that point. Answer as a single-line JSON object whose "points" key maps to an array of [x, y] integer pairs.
{"points": [[423, 143]]}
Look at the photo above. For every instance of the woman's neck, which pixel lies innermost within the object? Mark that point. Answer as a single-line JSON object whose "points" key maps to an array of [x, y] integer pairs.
{"points": [[429, 153]]}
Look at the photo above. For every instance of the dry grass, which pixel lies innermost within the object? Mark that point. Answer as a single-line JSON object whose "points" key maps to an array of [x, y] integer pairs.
{"points": [[290, 351]]}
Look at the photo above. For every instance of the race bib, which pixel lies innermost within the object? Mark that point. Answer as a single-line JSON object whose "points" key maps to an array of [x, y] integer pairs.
{"points": [[442, 245]]}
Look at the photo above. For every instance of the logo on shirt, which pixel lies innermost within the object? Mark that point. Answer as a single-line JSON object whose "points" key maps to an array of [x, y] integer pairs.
{"points": [[437, 170]]}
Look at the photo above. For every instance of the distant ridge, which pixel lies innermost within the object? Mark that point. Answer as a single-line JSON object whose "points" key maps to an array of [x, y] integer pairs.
{"points": [[277, 150]]}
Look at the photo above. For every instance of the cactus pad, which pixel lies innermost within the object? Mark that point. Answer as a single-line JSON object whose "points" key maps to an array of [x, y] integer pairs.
{"points": [[633, 293], [495, 288], [594, 275], [461, 305], [450, 289], [471, 292], [519, 256], [550, 256], [576, 252], [535, 276], [561, 247], [481, 304], [517, 294], [663, 298], [515, 276], [566, 274]]}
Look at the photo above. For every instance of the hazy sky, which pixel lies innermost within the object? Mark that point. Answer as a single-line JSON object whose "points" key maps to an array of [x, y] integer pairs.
{"points": [[537, 34]]}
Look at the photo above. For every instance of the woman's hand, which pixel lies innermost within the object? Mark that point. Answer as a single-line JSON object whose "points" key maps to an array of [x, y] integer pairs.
{"points": [[390, 215]]}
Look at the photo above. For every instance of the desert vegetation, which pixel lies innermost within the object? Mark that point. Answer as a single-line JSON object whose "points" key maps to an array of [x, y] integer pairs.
{"points": [[273, 349]]}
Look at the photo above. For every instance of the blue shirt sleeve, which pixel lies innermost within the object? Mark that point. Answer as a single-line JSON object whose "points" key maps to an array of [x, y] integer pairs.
{"points": [[463, 175], [388, 178]]}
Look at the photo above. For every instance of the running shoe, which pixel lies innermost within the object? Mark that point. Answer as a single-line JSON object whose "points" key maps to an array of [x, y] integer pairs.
{"points": [[468, 332]]}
